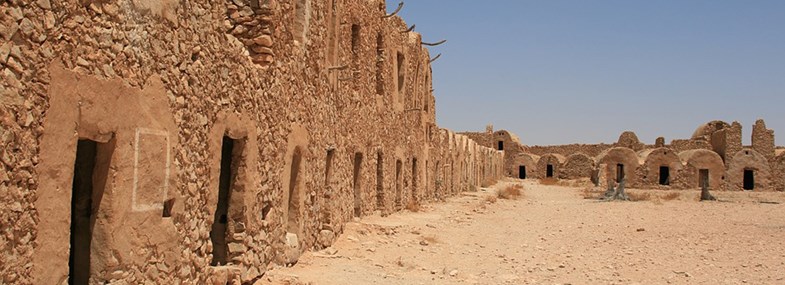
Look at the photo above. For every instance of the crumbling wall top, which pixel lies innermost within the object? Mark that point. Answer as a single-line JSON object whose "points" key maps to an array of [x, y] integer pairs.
{"points": [[704, 131], [630, 140]]}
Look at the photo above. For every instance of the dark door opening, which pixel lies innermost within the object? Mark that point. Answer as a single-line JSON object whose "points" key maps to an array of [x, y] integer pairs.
{"points": [[665, 175], [549, 171], [379, 181], [91, 168], [379, 64], [328, 167], [522, 172], [358, 160], [426, 187], [501, 145], [221, 219], [749, 179], [703, 178], [452, 177], [401, 72], [398, 195], [414, 179], [293, 205], [619, 172], [328, 174]]}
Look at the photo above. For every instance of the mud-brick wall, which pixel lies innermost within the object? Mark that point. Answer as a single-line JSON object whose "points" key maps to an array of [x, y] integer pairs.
{"points": [[311, 93]]}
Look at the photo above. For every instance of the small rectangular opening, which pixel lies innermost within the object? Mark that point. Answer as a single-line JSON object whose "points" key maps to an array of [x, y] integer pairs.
{"points": [[168, 204], [522, 172], [749, 179], [501, 145], [379, 64], [665, 175], [703, 178], [619, 172], [358, 160], [355, 41], [401, 69], [549, 171], [91, 168], [220, 220]]}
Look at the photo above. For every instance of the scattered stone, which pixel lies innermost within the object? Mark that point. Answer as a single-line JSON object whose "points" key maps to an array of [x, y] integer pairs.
{"points": [[330, 251]]}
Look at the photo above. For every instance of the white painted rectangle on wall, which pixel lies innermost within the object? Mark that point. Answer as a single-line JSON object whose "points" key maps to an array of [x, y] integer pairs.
{"points": [[151, 169]]}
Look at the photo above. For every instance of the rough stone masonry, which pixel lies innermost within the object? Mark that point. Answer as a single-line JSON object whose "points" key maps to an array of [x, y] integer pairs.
{"points": [[199, 142], [714, 155]]}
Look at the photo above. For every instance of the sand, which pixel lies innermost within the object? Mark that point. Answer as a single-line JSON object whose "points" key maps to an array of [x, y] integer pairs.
{"points": [[553, 235]]}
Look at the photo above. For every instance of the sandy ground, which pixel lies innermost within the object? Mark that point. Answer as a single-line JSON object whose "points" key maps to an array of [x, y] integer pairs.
{"points": [[552, 235]]}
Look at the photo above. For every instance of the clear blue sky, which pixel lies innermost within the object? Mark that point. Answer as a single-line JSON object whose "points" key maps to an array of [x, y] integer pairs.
{"points": [[558, 72]]}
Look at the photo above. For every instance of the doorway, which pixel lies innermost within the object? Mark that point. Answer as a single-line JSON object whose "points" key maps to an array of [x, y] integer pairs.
{"points": [[379, 181], [398, 198], [549, 171], [665, 175], [749, 179], [703, 178], [414, 179], [91, 168], [522, 172], [358, 160], [218, 232], [619, 172]]}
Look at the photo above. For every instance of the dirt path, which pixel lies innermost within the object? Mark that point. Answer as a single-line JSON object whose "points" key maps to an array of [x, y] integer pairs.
{"points": [[554, 236]]}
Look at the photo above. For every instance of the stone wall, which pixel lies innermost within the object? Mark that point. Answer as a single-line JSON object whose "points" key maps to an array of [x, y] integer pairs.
{"points": [[484, 139], [778, 173], [748, 165], [524, 165], [555, 161], [763, 139], [660, 168], [308, 113], [577, 165], [592, 150], [512, 148], [698, 160], [732, 141], [683, 158], [680, 145], [630, 140], [621, 162]]}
